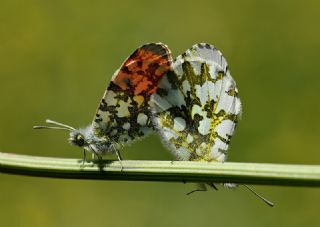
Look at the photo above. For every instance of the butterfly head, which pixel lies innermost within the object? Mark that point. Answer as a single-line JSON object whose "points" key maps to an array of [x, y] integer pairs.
{"points": [[83, 138], [78, 139]]}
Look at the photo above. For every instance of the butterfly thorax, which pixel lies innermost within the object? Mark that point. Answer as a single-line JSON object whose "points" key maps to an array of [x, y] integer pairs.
{"points": [[87, 139]]}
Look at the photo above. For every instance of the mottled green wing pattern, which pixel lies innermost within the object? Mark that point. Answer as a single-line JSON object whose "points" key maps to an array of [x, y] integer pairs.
{"points": [[196, 106]]}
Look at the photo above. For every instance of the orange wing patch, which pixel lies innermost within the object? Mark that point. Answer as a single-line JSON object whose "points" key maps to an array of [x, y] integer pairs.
{"points": [[124, 112], [141, 72]]}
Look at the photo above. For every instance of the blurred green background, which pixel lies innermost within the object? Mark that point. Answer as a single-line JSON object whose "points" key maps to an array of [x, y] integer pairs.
{"points": [[57, 57]]}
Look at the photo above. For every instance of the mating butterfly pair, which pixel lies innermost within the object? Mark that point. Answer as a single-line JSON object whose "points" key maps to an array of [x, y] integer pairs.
{"points": [[192, 102]]}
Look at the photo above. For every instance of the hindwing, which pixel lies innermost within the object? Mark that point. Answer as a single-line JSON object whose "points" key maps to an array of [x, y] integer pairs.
{"points": [[196, 106]]}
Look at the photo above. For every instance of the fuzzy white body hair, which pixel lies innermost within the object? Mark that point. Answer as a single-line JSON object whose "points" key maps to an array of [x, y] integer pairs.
{"points": [[92, 143]]}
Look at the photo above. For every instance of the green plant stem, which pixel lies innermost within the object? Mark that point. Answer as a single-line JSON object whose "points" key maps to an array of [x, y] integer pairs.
{"points": [[177, 171]]}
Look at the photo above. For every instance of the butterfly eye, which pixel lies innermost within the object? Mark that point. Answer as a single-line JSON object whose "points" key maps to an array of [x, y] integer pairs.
{"points": [[79, 140]]}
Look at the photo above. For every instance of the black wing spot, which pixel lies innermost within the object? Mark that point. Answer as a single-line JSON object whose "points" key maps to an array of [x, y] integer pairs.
{"points": [[140, 72], [208, 46], [200, 45], [127, 82], [162, 92], [126, 70], [155, 48], [139, 64]]}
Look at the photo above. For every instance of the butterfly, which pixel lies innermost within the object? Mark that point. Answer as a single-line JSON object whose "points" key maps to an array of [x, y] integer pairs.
{"points": [[123, 114], [196, 107]]}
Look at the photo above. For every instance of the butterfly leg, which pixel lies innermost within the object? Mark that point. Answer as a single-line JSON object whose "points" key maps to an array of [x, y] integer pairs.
{"points": [[115, 149], [96, 156], [119, 158], [99, 157], [212, 185], [201, 188], [84, 157]]}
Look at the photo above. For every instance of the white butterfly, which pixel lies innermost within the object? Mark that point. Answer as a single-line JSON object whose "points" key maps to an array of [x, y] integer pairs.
{"points": [[196, 107], [123, 114]]}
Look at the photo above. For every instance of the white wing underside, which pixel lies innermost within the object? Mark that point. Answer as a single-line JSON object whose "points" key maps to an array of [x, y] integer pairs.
{"points": [[199, 89]]}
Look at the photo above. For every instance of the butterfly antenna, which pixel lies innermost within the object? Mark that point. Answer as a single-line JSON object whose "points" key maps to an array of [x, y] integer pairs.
{"points": [[58, 126], [259, 196]]}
